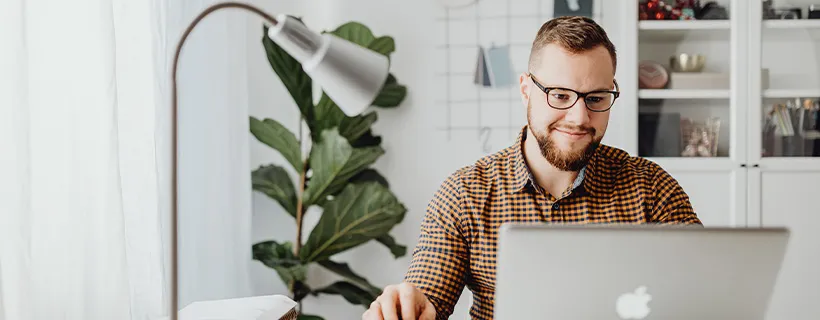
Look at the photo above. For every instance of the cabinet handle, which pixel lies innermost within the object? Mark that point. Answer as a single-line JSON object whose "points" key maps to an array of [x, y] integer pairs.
{"points": [[756, 165], [742, 165]]}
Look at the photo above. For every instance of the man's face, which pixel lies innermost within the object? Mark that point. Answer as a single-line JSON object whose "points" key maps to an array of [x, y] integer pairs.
{"points": [[567, 138]]}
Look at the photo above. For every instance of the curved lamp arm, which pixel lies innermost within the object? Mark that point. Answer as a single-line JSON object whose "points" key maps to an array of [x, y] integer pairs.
{"points": [[351, 75]]}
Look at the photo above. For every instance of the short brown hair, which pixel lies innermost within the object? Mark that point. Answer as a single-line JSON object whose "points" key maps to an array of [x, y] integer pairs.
{"points": [[574, 33]]}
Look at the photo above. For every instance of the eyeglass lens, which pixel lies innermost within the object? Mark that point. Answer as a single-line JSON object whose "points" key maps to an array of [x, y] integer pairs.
{"points": [[563, 99]]}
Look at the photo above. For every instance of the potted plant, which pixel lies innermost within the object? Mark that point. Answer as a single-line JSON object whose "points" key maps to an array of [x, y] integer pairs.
{"points": [[334, 175]]}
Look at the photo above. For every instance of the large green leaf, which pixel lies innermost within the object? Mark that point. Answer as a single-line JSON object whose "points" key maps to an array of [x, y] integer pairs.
{"points": [[355, 32], [327, 115], [290, 72], [360, 213], [355, 127], [280, 257], [384, 45], [334, 162], [275, 135], [367, 140], [309, 317], [275, 182], [300, 290], [396, 249], [344, 270], [350, 292], [370, 175], [392, 95]]}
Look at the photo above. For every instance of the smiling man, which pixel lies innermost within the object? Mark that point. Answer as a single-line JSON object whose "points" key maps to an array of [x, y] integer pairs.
{"points": [[557, 171]]}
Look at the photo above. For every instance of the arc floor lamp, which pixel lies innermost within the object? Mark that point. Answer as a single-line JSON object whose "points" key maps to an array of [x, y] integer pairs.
{"points": [[349, 74]]}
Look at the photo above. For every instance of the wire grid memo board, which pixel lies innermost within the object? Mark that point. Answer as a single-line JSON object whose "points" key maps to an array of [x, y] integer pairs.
{"points": [[484, 47]]}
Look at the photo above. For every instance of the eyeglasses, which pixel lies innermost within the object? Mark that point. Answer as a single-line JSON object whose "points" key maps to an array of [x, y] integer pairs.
{"points": [[563, 98]]}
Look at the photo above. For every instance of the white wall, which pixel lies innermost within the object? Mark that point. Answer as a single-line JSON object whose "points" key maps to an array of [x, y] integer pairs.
{"points": [[214, 186], [410, 135]]}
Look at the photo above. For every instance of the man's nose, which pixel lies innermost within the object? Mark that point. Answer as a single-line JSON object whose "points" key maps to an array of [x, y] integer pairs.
{"points": [[578, 114]]}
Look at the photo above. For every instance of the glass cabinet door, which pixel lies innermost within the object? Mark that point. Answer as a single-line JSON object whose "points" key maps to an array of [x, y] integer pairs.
{"points": [[685, 57], [790, 78]]}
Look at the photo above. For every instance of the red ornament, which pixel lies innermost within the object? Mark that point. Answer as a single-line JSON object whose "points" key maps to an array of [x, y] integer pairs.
{"points": [[659, 15]]}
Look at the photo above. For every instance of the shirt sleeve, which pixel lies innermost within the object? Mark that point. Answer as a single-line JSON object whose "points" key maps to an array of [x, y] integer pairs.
{"points": [[671, 203], [440, 260]]}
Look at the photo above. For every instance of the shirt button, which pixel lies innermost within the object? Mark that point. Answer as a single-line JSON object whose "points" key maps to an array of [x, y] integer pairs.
{"points": [[555, 206]]}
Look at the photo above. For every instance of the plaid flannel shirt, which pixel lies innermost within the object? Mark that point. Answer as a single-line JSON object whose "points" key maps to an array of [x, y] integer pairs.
{"points": [[457, 244]]}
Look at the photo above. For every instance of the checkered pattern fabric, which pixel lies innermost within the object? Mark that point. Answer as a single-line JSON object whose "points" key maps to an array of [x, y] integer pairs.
{"points": [[457, 245]]}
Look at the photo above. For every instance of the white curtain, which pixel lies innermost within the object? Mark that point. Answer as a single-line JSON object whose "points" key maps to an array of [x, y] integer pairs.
{"points": [[84, 159]]}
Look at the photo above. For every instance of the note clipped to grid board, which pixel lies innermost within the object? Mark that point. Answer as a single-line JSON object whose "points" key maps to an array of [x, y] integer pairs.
{"points": [[494, 67]]}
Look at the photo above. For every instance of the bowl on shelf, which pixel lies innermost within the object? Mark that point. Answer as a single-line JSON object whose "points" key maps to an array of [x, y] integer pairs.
{"points": [[687, 62]]}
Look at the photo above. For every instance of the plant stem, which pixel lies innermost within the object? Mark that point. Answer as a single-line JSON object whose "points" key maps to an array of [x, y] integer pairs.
{"points": [[299, 209]]}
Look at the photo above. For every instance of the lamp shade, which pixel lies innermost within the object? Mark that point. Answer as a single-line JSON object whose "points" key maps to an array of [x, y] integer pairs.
{"points": [[351, 75]]}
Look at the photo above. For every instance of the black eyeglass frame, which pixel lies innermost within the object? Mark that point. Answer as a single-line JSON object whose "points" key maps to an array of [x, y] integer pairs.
{"points": [[546, 91]]}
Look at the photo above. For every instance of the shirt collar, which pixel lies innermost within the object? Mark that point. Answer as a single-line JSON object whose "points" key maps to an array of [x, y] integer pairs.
{"points": [[523, 176]]}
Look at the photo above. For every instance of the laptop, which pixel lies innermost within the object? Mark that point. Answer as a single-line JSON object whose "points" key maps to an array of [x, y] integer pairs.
{"points": [[636, 272]]}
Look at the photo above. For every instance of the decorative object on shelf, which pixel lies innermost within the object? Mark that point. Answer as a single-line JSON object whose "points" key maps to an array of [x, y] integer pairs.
{"points": [[768, 10], [814, 11], [700, 138], [573, 8], [790, 129], [335, 174], [685, 62], [793, 12], [712, 11], [652, 75], [669, 10]]}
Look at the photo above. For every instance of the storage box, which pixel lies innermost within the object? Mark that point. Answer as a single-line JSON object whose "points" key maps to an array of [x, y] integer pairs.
{"points": [[699, 80], [709, 80]]}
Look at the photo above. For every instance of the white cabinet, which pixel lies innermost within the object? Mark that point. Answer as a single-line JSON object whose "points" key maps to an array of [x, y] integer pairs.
{"points": [[761, 82], [718, 196], [790, 198]]}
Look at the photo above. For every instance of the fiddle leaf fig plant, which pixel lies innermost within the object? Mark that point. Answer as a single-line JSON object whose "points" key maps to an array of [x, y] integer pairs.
{"points": [[334, 175]]}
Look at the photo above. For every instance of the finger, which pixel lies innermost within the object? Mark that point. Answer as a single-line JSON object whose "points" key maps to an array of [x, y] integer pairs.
{"points": [[387, 302], [374, 313], [408, 303], [429, 312]]}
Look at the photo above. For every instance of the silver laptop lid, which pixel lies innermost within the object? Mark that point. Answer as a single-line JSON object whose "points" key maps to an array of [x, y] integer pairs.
{"points": [[636, 272]]}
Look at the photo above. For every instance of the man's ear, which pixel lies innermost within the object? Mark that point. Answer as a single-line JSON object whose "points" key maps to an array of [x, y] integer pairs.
{"points": [[524, 87]]}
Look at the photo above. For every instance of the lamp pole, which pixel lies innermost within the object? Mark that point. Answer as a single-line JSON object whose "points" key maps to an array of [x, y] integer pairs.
{"points": [[175, 138]]}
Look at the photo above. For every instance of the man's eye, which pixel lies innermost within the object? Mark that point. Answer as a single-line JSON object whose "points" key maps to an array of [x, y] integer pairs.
{"points": [[594, 99], [560, 96]]}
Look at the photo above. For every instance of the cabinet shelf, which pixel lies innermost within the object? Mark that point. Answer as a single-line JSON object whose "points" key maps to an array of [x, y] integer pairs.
{"points": [[696, 164], [792, 24], [683, 94], [683, 24], [791, 93]]}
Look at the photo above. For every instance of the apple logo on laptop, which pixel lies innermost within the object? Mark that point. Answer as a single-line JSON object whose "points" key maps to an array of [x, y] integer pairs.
{"points": [[633, 305]]}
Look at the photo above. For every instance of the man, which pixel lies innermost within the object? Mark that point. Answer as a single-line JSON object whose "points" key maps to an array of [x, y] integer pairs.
{"points": [[556, 172]]}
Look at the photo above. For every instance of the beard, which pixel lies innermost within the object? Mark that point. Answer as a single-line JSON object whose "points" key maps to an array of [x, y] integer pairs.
{"points": [[564, 160]]}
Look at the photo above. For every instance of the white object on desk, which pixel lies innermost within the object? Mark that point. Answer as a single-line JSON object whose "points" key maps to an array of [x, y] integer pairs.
{"points": [[273, 307]]}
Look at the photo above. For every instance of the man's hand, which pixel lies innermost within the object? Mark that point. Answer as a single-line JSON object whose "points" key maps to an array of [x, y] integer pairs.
{"points": [[402, 301]]}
